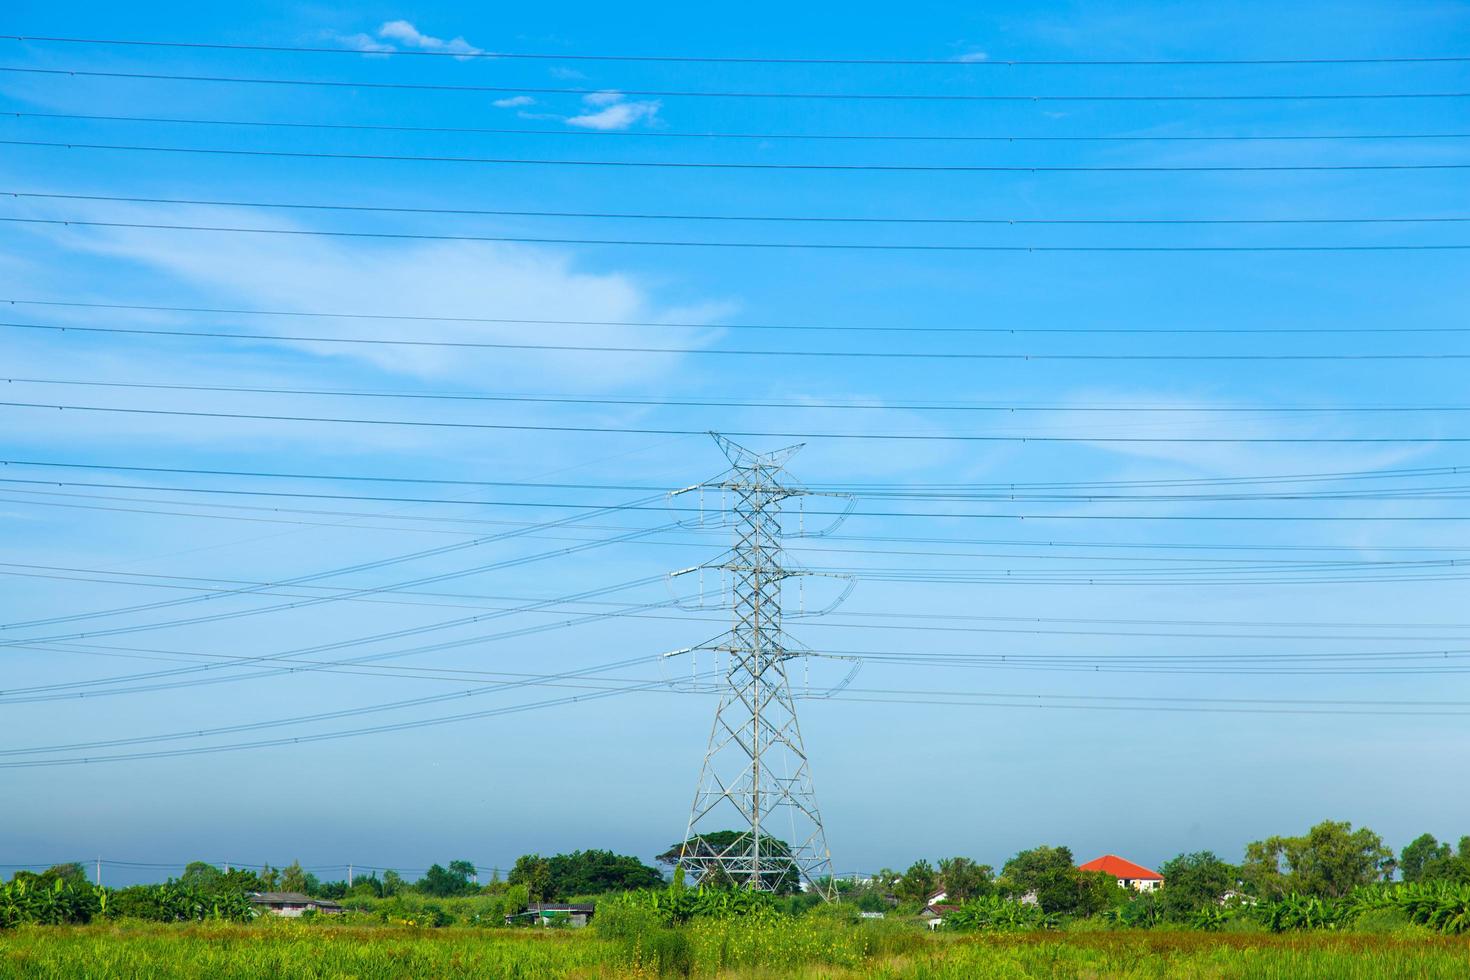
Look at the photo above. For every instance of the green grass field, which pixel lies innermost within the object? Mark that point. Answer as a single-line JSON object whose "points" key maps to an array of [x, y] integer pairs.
{"points": [[891, 950]]}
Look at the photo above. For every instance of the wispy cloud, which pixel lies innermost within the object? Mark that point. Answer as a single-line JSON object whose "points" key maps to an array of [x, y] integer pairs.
{"points": [[613, 112], [513, 102], [397, 35], [970, 57], [405, 33], [459, 279]]}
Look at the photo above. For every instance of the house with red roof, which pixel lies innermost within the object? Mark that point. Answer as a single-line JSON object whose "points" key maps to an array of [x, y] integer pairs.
{"points": [[1129, 875]]}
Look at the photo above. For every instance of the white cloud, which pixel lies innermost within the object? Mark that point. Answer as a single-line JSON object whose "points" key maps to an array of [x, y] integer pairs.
{"points": [[513, 102], [602, 98], [405, 33], [970, 57], [619, 115], [445, 279], [566, 73]]}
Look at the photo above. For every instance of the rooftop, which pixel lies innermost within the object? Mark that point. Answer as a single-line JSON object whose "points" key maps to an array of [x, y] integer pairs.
{"points": [[1120, 868]]}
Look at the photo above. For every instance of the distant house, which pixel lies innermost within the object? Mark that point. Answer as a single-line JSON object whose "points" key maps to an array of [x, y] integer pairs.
{"points": [[292, 904], [553, 913], [1129, 875], [934, 913], [937, 896]]}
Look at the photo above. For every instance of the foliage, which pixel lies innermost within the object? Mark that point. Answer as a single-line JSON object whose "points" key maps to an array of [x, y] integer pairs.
{"points": [[918, 882], [963, 879], [1050, 875], [64, 901], [783, 878], [1000, 915], [447, 882], [35, 899], [1426, 859], [1330, 860], [591, 872], [1195, 882], [675, 906], [807, 949]]}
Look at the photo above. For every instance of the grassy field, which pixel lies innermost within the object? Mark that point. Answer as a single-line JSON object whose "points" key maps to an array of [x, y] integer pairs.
{"points": [[139, 950]]}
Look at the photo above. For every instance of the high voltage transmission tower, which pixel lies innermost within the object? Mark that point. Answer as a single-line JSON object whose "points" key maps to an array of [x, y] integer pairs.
{"points": [[756, 777]]}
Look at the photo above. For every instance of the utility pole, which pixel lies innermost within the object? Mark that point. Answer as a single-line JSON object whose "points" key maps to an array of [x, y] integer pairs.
{"points": [[349, 874], [99, 871], [755, 773]]}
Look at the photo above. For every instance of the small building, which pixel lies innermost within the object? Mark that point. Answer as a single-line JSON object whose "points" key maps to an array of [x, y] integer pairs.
{"points": [[553, 913], [1129, 875], [292, 905], [934, 913]]}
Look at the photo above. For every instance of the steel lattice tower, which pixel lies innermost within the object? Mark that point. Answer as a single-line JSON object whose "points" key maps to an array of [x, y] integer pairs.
{"points": [[756, 777]]}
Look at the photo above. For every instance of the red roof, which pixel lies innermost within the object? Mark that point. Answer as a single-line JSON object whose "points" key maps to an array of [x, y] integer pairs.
{"points": [[1120, 868]]}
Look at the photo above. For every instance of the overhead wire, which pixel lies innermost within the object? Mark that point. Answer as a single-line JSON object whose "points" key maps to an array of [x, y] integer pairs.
{"points": [[581, 92], [828, 327], [872, 436], [748, 135], [691, 243], [798, 218], [958, 62], [748, 166]]}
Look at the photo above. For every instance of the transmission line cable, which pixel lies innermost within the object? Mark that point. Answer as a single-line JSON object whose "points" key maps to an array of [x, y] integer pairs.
{"points": [[953, 62], [727, 352], [690, 243], [819, 219], [731, 165], [941, 97], [879, 436], [829, 327], [762, 136]]}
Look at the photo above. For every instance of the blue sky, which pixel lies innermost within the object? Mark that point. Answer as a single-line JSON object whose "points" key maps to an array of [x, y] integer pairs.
{"points": [[896, 781]]}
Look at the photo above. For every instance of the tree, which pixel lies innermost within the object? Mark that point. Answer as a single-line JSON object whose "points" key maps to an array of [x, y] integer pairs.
{"points": [[1194, 881], [392, 883], [918, 882], [1050, 873], [963, 879], [1330, 860], [72, 873], [442, 882], [534, 872], [201, 876], [1426, 859], [1420, 855], [783, 878], [594, 872], [293, 878], [270, 879]]}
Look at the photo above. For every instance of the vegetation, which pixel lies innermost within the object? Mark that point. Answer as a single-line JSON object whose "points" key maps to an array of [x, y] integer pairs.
{"points": [[807, 949], [1321, 904]]}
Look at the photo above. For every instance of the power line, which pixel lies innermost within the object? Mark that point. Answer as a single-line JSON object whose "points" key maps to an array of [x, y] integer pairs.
{"points": [[869, 489], [728, 352], [1193, 546], [820, 219], [1457, 492], [179, 582], [1180, 410], [338, 714], [727, 165], [954, 62], [688, 243], [103, 686], [834, 328], [946, 97], [763, 136], [874, 436]]}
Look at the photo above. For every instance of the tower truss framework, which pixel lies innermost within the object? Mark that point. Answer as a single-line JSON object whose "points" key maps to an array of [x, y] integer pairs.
{"points": [[756, 777]]}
